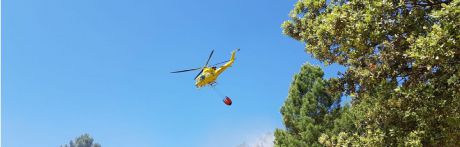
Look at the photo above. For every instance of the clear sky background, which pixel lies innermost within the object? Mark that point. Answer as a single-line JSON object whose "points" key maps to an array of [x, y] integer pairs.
{"points": [[102, 67]]}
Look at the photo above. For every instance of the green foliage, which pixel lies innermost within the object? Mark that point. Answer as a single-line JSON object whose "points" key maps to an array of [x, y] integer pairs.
{"points": [[309, 109], [83, 141], [403, 59]]}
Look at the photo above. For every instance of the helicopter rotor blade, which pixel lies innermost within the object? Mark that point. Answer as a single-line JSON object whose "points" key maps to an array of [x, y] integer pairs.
{"points": [[198, 74], [209, 58], [186, 70], [220, 63]]}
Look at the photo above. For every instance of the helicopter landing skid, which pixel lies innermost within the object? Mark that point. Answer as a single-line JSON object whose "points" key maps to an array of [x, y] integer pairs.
{"points": [[213, 84]]}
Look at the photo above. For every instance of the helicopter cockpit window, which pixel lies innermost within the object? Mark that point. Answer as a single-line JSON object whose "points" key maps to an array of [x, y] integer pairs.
{"points": [[202, 77]]}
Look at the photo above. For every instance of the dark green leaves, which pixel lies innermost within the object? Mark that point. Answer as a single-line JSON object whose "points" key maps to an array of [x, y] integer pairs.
{"points": [[83, 141], [403, 59]]}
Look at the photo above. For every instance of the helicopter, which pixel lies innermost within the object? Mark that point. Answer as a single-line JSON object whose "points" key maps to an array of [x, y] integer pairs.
{"points": [[208, 74]]}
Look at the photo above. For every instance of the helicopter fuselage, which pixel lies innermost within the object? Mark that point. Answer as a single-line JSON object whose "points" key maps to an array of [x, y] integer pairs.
{"points": [[208, 76]]}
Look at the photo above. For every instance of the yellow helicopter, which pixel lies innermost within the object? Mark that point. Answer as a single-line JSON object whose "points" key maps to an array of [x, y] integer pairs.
{"points": [[209, 74]]}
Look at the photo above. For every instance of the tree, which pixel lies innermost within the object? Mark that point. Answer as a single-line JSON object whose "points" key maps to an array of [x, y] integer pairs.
{"points": [[402, 59], [308, 110], [83, 141]]}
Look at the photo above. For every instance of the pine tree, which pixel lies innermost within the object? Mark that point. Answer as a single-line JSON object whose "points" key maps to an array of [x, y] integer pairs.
{"points": [[83, 141], [308, 110]]}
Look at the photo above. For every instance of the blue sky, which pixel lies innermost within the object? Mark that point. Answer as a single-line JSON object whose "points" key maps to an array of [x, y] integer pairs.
{"points": [[102, 67]]}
